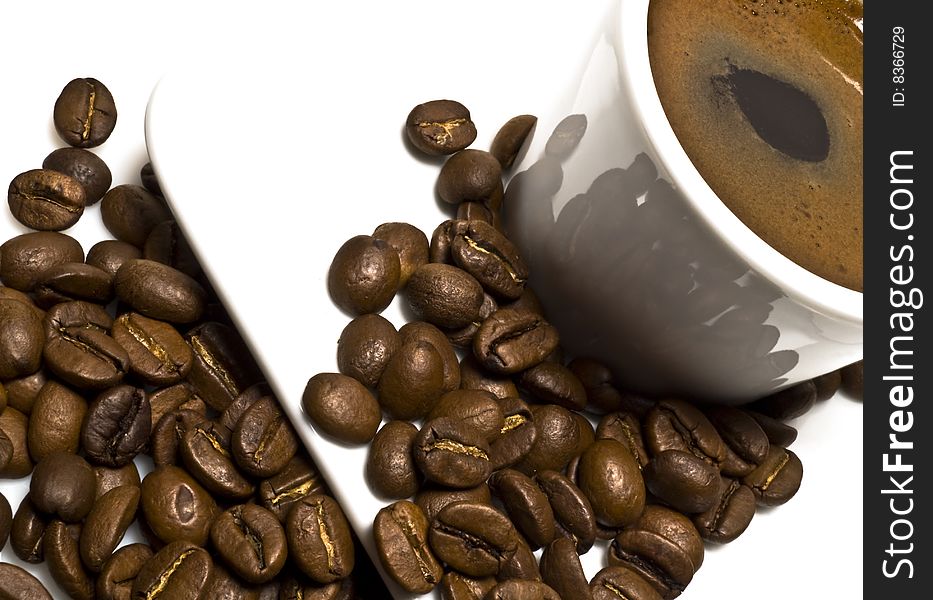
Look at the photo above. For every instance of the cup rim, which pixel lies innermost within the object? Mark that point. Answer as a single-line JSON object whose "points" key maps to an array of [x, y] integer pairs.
{"points": [[822, 295]]}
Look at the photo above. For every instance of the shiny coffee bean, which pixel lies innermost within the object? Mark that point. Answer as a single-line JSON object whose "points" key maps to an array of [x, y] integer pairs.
{"points": [[677, 425], [73, 281], [79, 348], [251, 541], [130, 213], [682, 481], [425, 332], [410, 243], [475, 539], [573, 512], [223, 366], [55, 421], [482, 251], [84, 113], [553, 383], [526, 504], [740, 432], [609, 476], [232, 414], [433, 499], [298, 479], [476, 408], [106, 524], [457, 586], [511, 137], [25, 257], [561, 569], [341, 407], [557, 440], [319, 539], [625, 428], [510, 341], [64, 560], [85, 167], [390, 467], [789, 403], [853, 380], [444, 295], [777, 478], [364, 275], [117, 574], [116, 426], [167, 244], [108, 478], [615, 582], [412, 381], [401, 534], [176, 507], [158, 354], [109, 255], [440, 127], [16, 582], [441, 239], [21, 340], [179, 571], [26, 532], [46, 200], [159, 291], [63, 485], [452, 453], [522, 589], [365, 347], [469, 176], [167, 435], [730, 515], [517, 436], [264, 441], [14, 426], [205, 453]]}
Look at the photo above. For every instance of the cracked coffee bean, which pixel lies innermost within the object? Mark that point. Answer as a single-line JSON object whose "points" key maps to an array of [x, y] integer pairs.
{"points": [[475, 539], [205, 453], [79, 348], [251, 541], [482, 251], [116, 426], [84, 114], [452, 453], [158, 354], [401, 533], [510, 139], [319, 539], [46, 200], [777, 478], [179, 571], [440, 127]]}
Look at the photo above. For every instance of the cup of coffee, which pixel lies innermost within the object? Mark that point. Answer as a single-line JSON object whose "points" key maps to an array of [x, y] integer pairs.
{"points": [[692, 215]]}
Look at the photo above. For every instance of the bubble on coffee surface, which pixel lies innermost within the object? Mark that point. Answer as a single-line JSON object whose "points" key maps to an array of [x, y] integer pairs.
{"points": [[749, 89]]}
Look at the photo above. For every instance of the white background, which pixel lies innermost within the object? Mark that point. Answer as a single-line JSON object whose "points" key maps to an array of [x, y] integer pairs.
{"points": [[251, 152]]}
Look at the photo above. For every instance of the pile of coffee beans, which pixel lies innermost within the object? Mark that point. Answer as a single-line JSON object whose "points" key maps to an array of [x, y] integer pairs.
{"points": [[489, 451], [121, 362]]}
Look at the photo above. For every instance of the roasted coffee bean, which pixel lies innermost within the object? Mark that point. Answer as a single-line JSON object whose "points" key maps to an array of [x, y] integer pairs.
{"points": [[683, 481], [365, 346], [482, 251], [159, 291], [18, 583], [730, 515], [64, 560], [251, 541], [573, 513], [746, 441], [615, 582], [516, 437], [165, 439], [55, 421], [167, 244], [25, 257], [779, 434], [117, 574], [526, 504], [149, 180], [463, 337], [441, 239], [677, 425], [390, 467], [440, 127], [6, 520], [522, 589], [180, 396], [475, 539], [46, 200], [853, 380], [106, 524], [553, 383], [27, 531], [511, 138], [341, 407], [433, 499], [117, 425], [22, 392], [457, 586], [510, 341], [319, 539], [205, 452], [264, 441], [84, 113], [109, 255], [789, 403], [469, 176], [609, 476], [21, 339], [557, 440], [175, 506], [232, 414], [73, 281], [476, 408], [179, 571], [14, 426], [223, 366], [444, 295], [85, 167], [401, 534], [158, 354], [452, 453], [79, 348], [364, 275], [777, 478], [474, 377], [298, 479], [130, 213], [625, 428], [425, 332], [108, 478], [63, 485], [410, 243], [561, 569], [412, 381]]}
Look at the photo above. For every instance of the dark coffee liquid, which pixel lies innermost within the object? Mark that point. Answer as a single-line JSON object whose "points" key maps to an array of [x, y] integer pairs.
{"points": [[766, 98]]}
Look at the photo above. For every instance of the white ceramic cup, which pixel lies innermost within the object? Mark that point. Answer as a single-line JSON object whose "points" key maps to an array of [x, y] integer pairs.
{"points": [[666, 285]]}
